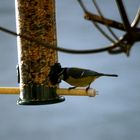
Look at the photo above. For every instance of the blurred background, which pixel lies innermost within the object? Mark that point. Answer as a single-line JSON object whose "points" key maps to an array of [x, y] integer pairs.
{"points": [[113, 114]]}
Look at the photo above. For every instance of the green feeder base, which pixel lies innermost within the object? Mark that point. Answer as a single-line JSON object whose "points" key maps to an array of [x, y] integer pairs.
{"points": [[35, 102], [39, 95]]}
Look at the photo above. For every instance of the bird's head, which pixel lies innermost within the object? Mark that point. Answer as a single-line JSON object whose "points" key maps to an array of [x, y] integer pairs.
{"points": [[62, 74], [56, 73]]}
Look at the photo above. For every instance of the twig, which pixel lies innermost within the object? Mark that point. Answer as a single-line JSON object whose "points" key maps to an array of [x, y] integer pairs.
{"points": [[105, 21], [124, 16], [71, 51], [102, 16], [96, 24]]}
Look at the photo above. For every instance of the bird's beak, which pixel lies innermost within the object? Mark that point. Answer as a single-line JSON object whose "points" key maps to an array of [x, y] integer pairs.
{"points": [[61, 75]]}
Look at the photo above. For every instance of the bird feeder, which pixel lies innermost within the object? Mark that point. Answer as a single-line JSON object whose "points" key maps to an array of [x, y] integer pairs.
{"points": [[36, 18]]}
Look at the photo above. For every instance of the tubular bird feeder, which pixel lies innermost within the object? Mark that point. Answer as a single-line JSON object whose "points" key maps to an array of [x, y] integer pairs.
{"points": [[37, 19]]}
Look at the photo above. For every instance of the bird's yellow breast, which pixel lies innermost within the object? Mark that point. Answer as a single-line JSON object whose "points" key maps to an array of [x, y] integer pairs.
{"points": [[80, 82]]}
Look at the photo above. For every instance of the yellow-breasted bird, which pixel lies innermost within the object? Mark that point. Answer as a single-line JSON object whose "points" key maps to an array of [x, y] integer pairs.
{"points": [[78, 77]]}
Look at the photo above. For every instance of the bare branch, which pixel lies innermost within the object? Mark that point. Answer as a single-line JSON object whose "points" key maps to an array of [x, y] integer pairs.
{"points": [[96, 24], [122, 45], [46, 44], [102, 16], [124, 16], [105, 21]]}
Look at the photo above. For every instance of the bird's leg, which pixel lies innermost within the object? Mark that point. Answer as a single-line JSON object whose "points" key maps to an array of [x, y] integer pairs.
{"points": [[88, 87]]}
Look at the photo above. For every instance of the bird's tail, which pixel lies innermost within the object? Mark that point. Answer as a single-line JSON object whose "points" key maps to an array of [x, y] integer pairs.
{"points": [[112, 75]]}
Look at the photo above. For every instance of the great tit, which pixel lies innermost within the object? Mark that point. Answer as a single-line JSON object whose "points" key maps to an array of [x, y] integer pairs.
{"points": [[78, 77]]}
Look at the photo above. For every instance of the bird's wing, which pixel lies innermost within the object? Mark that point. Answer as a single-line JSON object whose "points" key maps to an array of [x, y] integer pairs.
{"points": [[78, 72]]}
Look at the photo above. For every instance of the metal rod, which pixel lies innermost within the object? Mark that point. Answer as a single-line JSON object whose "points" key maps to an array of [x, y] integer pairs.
{"points": [[136, 19], [124, 15]]}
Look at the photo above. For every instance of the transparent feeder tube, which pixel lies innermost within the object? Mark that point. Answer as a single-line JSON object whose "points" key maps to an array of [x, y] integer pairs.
{"points": [[36, 19]]}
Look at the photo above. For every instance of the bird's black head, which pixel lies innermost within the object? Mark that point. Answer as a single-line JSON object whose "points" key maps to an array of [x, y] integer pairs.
{"points": [[55, 73], [63, 74]]}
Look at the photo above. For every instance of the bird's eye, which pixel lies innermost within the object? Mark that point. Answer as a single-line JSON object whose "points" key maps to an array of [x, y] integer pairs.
{"points": [[61, 76]]}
